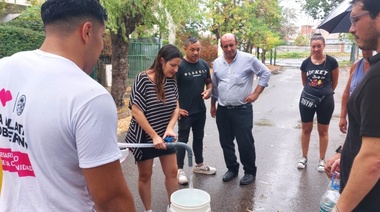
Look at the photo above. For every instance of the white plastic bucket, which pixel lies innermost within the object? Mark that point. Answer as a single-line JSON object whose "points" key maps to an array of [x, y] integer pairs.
{"points": [[194, 200]]}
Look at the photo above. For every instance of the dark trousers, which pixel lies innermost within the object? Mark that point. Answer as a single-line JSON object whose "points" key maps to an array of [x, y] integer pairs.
{"points": [[196, 122], [237, 122]]}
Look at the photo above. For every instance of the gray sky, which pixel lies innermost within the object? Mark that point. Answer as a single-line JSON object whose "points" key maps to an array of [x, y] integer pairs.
{"points": [[303, 19]]}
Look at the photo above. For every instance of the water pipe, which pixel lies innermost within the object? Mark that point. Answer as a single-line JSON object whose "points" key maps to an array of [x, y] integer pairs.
{"points": [[168, 144]]}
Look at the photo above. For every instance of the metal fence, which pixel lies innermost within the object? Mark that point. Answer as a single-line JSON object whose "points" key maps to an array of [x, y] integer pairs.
{"points": [[141, 55]]}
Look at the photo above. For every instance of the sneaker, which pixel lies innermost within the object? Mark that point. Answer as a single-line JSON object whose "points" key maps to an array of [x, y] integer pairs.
{"points": [[204, 169], [168, 209], [321, 166], [181, 176], [302, 163]]}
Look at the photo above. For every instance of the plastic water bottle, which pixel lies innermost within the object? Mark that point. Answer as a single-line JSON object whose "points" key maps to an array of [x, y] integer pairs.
{"points": [[330, 197]]}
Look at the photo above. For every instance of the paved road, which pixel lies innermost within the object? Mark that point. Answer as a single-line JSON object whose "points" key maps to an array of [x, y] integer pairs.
{"points": [[279, 185]]}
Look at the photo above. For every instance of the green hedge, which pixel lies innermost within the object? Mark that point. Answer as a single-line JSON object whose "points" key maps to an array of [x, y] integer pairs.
{"points": [[14, 39], [29, 19]]}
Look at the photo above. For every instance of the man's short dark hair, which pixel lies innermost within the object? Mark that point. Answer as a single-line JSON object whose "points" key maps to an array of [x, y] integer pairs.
{"points": [[372, 6], [53, 11], [190, 39]]}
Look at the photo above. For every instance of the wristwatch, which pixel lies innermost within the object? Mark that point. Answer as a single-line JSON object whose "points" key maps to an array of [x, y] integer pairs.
{"points": [[339, 150]]}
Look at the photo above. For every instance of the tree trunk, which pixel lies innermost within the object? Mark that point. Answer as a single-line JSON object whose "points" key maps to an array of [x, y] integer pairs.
{"points": [[120, 68], [102, 75], [263, 55]]}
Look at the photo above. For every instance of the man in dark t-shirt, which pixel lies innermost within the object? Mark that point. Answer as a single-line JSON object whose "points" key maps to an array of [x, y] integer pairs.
{"points": [[359, 163], [194, 86]]}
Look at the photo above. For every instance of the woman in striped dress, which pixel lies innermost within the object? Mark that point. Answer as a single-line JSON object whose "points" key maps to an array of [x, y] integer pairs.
{"points": [[155, 110]]}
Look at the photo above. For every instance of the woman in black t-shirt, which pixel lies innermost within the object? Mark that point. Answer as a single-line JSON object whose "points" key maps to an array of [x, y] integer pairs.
{"points": [[319, 74]]}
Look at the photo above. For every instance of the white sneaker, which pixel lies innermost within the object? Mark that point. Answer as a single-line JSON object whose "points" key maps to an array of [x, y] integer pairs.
{"points": [[302, 163], [181, 176], [321, 166], [204, 169]]}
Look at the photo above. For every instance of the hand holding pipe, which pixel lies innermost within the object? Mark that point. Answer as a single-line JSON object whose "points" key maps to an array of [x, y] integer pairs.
{"points": [[168, 144]]}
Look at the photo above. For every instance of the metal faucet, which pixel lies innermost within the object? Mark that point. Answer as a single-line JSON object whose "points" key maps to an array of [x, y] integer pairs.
{"points": [[168, 144]]}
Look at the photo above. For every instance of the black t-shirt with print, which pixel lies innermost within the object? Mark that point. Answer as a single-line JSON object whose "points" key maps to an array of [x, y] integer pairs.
{"points": [[191, 81], [319, 77], [364, 118]]}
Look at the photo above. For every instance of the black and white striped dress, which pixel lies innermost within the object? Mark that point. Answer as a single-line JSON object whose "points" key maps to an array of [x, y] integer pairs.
{"points": [[157, 113]]}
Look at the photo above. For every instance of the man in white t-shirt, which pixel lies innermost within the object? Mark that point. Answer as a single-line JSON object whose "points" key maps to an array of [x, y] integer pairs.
{"points": [[58, 140]]}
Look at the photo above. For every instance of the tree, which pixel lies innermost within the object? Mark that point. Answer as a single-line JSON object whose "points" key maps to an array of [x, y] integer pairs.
{"points": [[288, 28], [301, 40], [227, 16], [127, 16], [251, 21], [268, 17], [318, 9]]}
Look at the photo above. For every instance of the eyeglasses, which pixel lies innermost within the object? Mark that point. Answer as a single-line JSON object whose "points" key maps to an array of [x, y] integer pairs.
{"points": [[354, 19]]}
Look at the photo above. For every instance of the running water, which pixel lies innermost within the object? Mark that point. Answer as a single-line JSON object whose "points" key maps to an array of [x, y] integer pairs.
{"points": [[191, 175], [190, 199]]}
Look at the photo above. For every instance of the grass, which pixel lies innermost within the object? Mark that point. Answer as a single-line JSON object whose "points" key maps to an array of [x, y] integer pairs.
{"points": [[345, 63], [292, 55], [300, 55]]}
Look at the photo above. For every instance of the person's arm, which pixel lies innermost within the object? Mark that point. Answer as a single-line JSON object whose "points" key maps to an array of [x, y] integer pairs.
{"points": [[303, 78], [264, 75], [215, 94], [140, 117], [332, 165], [172, 122], [108, 188], [98, 154], [345, 96], [213, 107], [334, 78], [207, 93], [365, 173], [255, 95]]}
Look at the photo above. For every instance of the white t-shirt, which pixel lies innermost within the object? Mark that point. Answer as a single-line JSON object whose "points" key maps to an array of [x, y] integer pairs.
{"points": [[54, 121]]}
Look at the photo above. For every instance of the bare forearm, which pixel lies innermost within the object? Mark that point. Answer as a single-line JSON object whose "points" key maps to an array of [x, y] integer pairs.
{"points": [[343, 111], [108, 188], [174, 118], [143, 122], [335, 77], [123, 203], [364, 174], [213, 102], [362, 179], [303, 78], [258, 90], [345, 96], [209, 87]]}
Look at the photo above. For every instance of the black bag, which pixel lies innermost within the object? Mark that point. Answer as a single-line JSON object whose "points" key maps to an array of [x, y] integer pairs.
{"points": [[310, 101]]}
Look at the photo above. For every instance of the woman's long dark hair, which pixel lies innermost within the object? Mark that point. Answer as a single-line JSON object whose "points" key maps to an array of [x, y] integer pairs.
{"points": [[167, 52]]}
